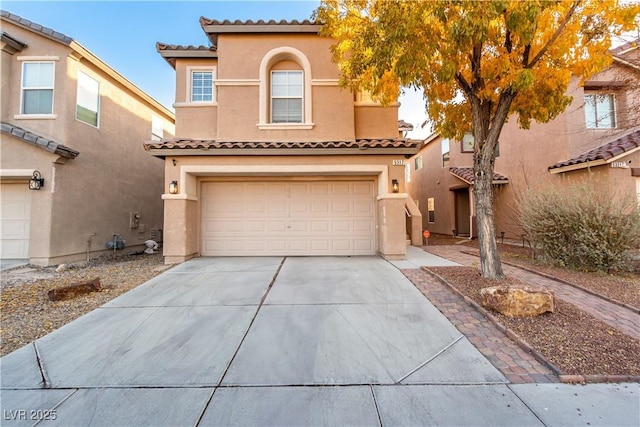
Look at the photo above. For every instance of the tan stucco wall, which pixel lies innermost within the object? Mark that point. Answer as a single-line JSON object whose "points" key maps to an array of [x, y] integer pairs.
{"points": [[182, 211], [236, 114], [91, 196]]}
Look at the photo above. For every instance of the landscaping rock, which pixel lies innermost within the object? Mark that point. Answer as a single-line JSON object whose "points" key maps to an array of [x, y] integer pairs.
{"points": [[516, 301]]}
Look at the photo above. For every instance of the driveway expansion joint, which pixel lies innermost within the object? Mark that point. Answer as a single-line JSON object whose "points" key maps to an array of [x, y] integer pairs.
{"points": [[423, 364]]}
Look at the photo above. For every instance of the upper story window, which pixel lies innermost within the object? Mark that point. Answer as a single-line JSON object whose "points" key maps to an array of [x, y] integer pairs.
{"points": [[599, 111], [201, 86], [157, 128], [285, 90], [286, 97], [417, 163], [88, 100], [37, 88], [467, 143], [446, 157]]}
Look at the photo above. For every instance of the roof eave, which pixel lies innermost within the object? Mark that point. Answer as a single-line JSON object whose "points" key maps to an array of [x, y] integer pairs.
{"points": [[588, 164]]}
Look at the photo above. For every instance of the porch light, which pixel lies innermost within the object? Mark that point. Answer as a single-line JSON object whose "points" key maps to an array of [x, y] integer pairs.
{"points": [[36, 182], [395, 186], [173, 187]]}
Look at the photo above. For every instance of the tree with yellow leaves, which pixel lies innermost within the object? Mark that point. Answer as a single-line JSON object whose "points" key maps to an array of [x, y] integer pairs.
{"points": [[478, 62]]}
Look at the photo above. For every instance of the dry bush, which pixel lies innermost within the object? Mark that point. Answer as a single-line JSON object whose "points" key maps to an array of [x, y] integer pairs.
{"points": [[583, 225]]}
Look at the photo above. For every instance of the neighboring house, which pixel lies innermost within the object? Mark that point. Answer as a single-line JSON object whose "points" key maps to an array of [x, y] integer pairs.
{"points": [[598, 135], [272, 156], [74, 122]]}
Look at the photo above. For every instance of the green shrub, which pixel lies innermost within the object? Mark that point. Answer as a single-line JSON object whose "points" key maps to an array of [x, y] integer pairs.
{"points": [[583, 225]]}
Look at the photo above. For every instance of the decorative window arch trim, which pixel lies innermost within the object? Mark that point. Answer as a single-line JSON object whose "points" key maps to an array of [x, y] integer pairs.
{"points": [[272, 57]]}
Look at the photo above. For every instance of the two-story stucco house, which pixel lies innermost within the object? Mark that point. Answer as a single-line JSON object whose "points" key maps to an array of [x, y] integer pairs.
{"points": [[272, 156], [74, 172], [598, 136]]}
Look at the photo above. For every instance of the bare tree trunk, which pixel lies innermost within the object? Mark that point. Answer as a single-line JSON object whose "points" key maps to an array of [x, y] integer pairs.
{"points": [[483, 192]]}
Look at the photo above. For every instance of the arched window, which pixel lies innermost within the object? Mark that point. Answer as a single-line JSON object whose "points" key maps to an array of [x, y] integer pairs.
{"points": [[285, 90]]}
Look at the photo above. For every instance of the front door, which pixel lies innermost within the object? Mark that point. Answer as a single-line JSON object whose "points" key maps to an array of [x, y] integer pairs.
{"points": [[463, 212]]}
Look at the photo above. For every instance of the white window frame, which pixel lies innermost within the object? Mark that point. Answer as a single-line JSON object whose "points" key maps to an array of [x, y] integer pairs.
{"points": [[189, 95], [614, 119], [157, 128], [284, 53], [37, 60], [272, 97], [97, 125], [447, 162]]}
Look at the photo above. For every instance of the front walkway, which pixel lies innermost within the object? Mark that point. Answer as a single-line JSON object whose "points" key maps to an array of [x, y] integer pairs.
{"points": [[518, 365]]}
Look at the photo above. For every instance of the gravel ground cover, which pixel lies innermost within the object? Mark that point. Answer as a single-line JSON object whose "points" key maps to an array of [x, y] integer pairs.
{"points": [[623, 286], [26, 313], [571, 339]]}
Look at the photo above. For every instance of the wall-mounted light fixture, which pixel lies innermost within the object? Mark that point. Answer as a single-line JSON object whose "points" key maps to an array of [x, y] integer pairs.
{"points": [[395, 186], [173, 187], [36, 182]]}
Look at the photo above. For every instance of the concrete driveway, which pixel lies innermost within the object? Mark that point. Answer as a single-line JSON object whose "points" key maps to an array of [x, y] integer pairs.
{"points": [[269, 341]]}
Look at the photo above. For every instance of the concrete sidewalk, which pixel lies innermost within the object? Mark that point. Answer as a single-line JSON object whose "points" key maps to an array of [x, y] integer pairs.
{"points": [[281, 341]]}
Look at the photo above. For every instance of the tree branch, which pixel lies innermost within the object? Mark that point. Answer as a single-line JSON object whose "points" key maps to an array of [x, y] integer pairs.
{"points": [[466, 88], [555, 35]]}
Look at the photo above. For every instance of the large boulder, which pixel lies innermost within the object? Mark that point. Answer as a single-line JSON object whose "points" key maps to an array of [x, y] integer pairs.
{"points": [[515, 301]]}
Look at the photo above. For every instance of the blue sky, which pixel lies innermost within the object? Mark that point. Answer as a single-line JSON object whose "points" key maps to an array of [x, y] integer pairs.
{"points": [[124, 33]]}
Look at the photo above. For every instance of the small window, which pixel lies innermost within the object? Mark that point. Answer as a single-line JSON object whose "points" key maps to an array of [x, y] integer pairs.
{"points": [[599, 111], [37, 88], [286, 96], [157, 129], [88, 102], [202, 86], [417, 163], [445, 153], [431, 210], [467, 143], [407, 173]]}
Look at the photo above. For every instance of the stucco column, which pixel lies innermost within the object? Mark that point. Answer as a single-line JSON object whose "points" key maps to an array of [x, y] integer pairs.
{"points": [[180, 241], [392, 228]]}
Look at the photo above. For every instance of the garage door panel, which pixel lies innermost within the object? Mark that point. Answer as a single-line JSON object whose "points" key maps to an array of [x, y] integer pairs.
{"points": [[15, 223], [289, 218]]}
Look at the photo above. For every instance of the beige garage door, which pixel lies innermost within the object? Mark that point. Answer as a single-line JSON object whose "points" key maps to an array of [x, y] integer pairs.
{"points": [[15, 215], [288, 218]]}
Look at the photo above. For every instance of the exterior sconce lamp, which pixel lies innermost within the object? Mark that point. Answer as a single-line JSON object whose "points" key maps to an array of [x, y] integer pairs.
{"points": [[173, 187], [36, 182], [395, 186]]}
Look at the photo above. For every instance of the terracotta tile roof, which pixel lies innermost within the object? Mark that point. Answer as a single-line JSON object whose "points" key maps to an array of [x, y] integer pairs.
{"points": [[466, 174], [360, 144], [47, 32], [214, 27], [261, 22], [172, 51], [404, 126], [12, 42], [605, 152], [628, 53], [39, 141], [170, 47]]}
